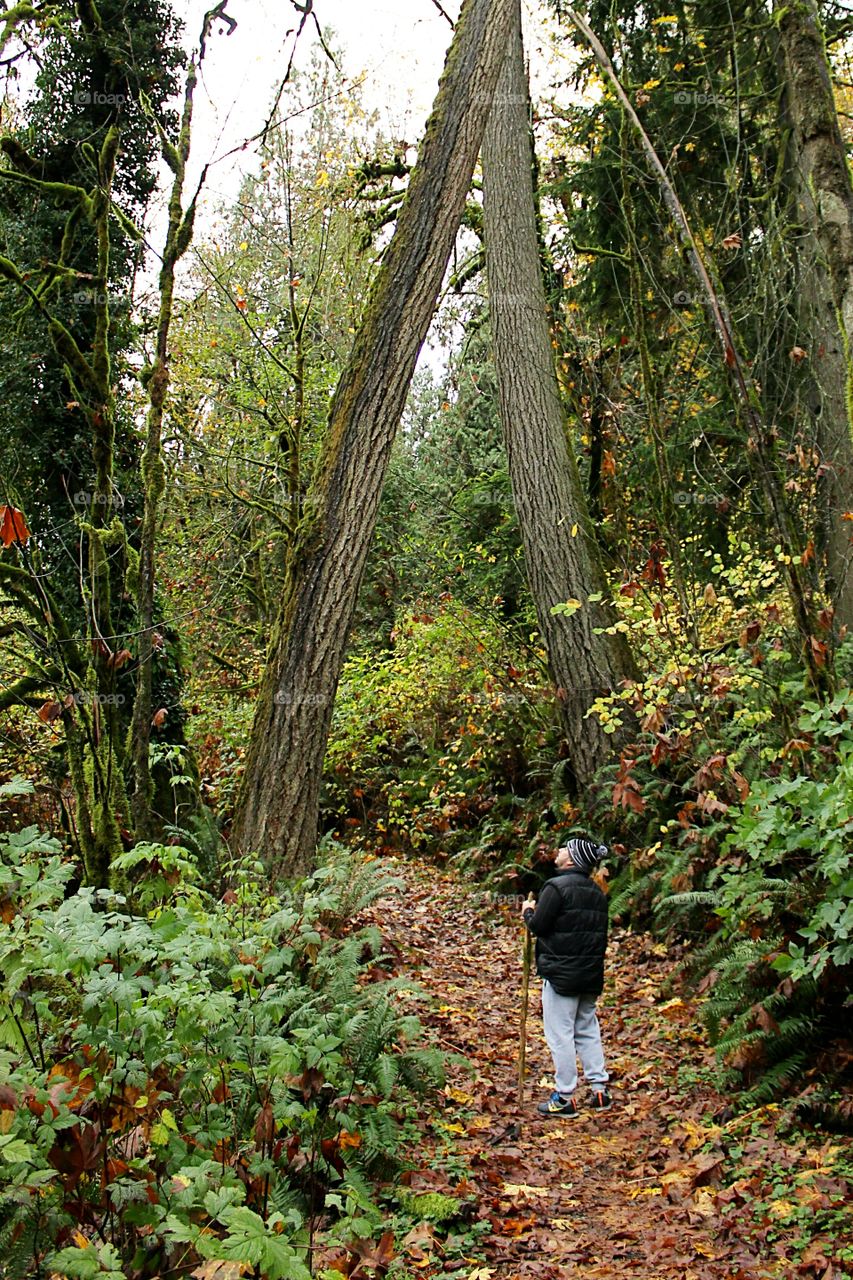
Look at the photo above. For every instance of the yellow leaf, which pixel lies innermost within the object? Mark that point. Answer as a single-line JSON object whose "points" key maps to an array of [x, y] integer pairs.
{"points": [[696, 1135], [79, 1239], [704, 1250], [457, 1095], [672, 1008], [221, 1269], [522, 1189], [704, 1203], [781, 1209]]}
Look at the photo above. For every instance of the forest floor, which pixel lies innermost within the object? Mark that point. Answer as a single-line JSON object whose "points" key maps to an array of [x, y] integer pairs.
{"points": [[670, 1183]]}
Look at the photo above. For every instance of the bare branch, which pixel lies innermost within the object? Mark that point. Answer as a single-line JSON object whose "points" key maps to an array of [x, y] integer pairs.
{"points": [[444, 13], [209, 18]]}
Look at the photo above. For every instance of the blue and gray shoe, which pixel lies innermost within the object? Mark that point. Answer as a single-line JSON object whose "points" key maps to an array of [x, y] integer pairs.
{"points": [[557, 1105]]}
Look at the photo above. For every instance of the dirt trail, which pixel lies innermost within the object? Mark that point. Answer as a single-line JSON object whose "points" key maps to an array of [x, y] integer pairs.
{"points": [[626, 1193]]}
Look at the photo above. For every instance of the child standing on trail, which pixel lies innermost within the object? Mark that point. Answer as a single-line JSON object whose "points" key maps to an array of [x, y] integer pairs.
{"points": [[570, 925]]}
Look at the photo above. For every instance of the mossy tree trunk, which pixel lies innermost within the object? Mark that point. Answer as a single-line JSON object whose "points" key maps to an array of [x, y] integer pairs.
{"points": [[178, 237], [824, 195], [560, 548], [278, 805], [90, 712]]}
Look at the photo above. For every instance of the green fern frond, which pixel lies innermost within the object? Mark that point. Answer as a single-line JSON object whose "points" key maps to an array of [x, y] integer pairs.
{"points": [[775, 1080], [625, 896], [694, 898]]}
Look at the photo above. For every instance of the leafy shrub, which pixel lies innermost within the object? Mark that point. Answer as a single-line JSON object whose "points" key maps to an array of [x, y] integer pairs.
{"points": [[436, 737], [211, 1080], [733, 805], [781, 895]]}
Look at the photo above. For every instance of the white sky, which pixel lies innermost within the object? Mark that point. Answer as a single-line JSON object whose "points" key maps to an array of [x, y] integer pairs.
{"points": [[399, 44]]}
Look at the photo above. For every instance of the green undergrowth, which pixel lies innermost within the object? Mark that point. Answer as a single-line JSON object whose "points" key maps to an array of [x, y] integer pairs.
{"points": [[440, 745], [758, 881], [194, 1079]]}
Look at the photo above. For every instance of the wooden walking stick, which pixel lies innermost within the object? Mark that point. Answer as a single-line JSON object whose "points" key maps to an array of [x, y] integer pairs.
{"points": [[527, 956]]}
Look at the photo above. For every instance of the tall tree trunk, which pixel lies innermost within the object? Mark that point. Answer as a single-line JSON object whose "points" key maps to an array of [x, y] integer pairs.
{"points": [[178, 237], [559, 543], [824, 194], [279, 798], [90, 716]]}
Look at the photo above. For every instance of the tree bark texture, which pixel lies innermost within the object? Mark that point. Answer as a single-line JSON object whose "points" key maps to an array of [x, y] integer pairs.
{"points": [[824, 194], [561, 554], [278, 805]]}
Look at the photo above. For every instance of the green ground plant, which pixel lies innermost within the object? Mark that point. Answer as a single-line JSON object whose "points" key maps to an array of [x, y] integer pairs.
{"points": [[191, 1078]]}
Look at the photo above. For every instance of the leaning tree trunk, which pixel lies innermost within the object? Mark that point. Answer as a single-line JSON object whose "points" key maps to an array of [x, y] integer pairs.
{"points": [[559, 544], [278, 804], [824, 195]]}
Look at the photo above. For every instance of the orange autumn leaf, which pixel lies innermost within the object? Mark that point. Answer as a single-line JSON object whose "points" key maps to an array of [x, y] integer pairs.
{"points": [[13, 526], [68, 1086]]}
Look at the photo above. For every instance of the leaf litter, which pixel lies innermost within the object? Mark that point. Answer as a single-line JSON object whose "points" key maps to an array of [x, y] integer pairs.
{"points": [[668, 1185]]}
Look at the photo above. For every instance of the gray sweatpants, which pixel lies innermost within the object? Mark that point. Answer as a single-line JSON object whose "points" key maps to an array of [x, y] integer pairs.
{"points": [[571, 1027]]}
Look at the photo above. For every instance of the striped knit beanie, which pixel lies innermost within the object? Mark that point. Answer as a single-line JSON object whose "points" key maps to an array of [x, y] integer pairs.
{"points": [[586, 855]]}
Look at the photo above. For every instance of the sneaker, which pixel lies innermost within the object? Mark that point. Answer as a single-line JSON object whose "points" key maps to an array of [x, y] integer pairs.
{"points": [[601, 1100], [557, 1105]]}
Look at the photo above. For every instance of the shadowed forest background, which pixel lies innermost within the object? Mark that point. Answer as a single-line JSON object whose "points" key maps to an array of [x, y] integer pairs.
{"points": [[287, 612]]}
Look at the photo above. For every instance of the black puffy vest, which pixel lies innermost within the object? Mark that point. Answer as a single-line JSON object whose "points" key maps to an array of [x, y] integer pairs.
{"points": [[571, 954]]}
